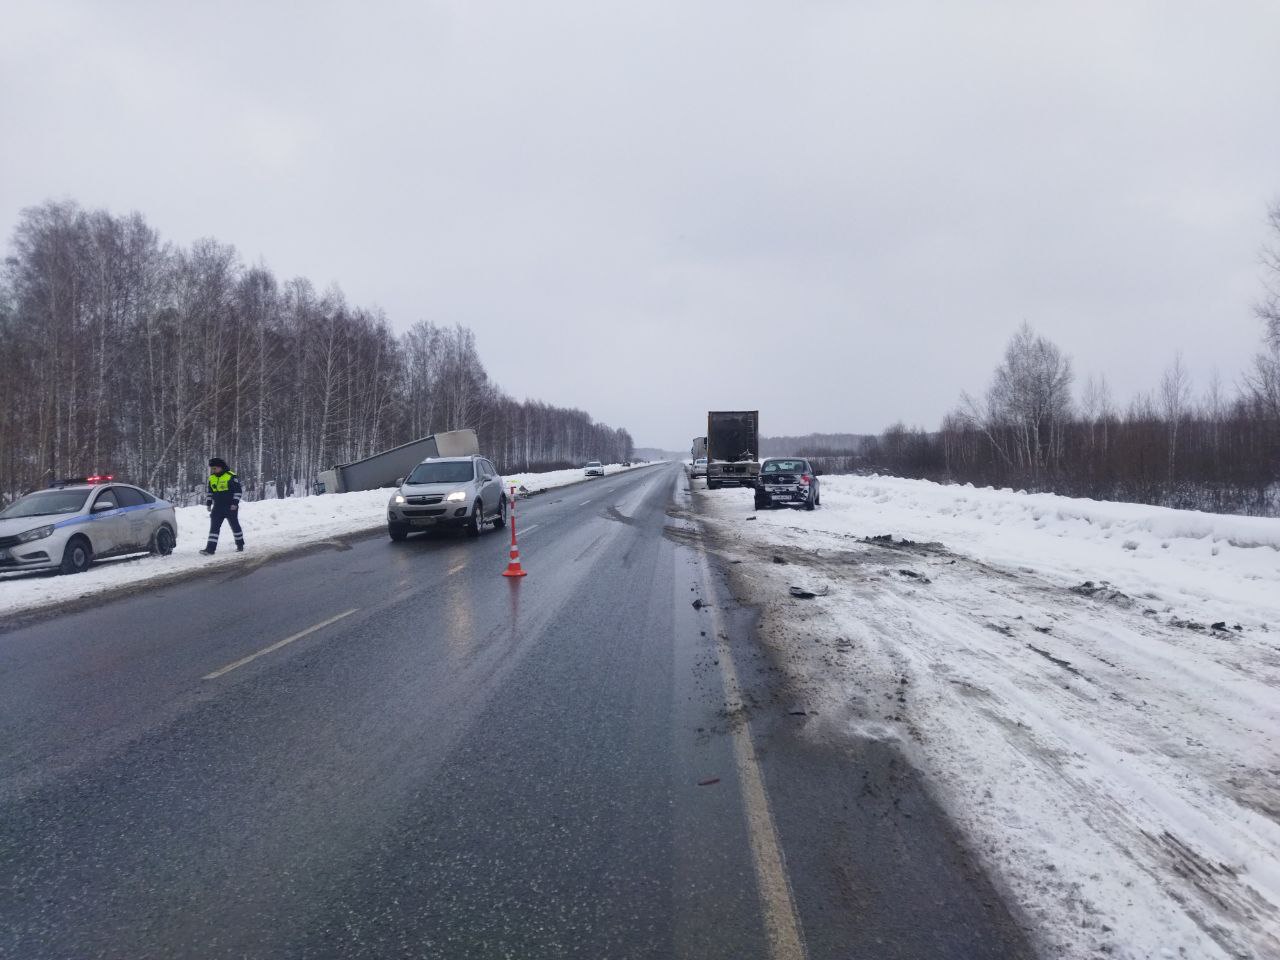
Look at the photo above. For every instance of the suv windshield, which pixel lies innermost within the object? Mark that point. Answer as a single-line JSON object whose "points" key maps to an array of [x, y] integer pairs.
{"points": [[450, 471], [45, 503], [784, 466]]}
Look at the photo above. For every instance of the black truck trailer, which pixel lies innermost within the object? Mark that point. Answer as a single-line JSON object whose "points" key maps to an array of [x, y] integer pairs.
{"points": [[733, 447]]}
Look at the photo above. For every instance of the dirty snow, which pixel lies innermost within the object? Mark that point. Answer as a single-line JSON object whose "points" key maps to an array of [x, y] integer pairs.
{"points": [[1093, 689], [270, 527]]}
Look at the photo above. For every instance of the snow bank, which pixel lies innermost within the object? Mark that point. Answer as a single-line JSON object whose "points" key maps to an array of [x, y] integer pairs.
{"points": [[1182, 559], [270, 527], [1092, 689]]}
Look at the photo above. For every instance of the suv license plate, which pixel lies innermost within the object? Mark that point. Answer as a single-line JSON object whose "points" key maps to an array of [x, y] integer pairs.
{"points": [[422, 521]]}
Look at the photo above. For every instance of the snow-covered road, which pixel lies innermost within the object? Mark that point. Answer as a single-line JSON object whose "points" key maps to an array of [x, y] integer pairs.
{"points": [[1094, 690], [270, 526]]}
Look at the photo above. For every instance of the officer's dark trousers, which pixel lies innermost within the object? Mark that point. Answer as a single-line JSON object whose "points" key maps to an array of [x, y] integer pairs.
{"points": [[216, 516]]}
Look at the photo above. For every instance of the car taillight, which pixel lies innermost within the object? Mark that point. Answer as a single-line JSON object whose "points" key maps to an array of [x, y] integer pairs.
{"points": [[804, 478]]}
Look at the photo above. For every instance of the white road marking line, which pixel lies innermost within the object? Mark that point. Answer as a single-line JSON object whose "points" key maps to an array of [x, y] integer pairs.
{"points": [[525, 531], [454, 569], [276, 646], [782, 922], [584, 503]]}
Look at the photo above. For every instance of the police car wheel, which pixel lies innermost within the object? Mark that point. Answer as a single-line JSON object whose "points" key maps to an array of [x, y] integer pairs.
{"points": [[77, 556], [162, 542]]}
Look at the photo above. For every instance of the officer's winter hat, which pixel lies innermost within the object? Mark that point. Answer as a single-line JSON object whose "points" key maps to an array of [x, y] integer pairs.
{"points": [[218, 462]]}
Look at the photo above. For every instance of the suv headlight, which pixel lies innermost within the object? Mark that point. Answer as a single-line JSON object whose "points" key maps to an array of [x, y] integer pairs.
{"points": [[39, 533], [398, 498], [456, 497]]}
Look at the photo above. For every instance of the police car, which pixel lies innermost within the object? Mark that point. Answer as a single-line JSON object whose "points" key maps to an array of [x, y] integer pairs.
{"points": [[77, 521]]}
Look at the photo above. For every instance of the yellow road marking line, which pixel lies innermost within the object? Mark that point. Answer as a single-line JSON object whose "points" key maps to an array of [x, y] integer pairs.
{"points": [[276, 646], [781, 921]]}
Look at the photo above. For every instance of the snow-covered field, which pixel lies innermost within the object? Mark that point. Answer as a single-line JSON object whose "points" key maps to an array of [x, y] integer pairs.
{"points": [[1092, 688], [270, 527]]}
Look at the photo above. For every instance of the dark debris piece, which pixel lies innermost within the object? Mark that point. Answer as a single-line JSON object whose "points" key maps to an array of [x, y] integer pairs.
{"points": [[803, 594], [1064, 664]]}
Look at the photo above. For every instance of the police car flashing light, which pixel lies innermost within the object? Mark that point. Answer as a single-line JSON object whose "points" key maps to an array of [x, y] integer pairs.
{"points": [[77, 481]]}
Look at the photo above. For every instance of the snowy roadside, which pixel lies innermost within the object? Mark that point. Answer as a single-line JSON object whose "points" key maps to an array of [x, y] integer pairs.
{"points": [[271, 527], [1092, 689]]}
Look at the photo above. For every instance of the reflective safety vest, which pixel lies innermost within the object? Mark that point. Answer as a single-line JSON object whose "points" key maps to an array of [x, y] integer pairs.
{"points": [[220, 483]]}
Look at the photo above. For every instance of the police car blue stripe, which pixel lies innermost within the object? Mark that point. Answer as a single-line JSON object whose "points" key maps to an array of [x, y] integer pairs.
{"points": [[85, 517]]}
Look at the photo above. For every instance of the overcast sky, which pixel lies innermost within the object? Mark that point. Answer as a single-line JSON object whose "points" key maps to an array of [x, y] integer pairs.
{"points": [[834, 212]]}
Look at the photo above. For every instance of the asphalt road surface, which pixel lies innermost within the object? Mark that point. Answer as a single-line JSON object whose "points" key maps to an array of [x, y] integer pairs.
{"points": [[369, 749]]}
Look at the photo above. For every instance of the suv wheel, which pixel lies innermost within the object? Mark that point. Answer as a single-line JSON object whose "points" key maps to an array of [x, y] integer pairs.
{"points": [[397, 531], [501, 521], [475, 521], [77, 556]]}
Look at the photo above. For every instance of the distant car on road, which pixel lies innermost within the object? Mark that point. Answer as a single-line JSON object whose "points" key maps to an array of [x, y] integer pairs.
{"points": [[457, 492], [787, 481], [78, 521], [698, 468], [594, 469]]}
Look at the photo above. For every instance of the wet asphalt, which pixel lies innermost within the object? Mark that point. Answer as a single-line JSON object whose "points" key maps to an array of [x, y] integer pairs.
{"points": [[458, 765]]}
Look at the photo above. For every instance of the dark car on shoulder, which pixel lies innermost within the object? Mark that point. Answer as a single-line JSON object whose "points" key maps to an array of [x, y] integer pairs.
{"points": [[787, 481]]}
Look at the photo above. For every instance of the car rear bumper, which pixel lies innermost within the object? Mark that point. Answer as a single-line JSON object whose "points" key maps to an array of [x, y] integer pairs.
{"points": [[783, 493]]}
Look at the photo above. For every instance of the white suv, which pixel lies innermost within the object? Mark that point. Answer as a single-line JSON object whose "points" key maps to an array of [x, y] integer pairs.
{"points": [[455, 492]]}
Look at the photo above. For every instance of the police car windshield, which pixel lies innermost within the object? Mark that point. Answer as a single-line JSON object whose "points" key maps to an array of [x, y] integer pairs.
{"points": [[45, 503], [450, 471]]}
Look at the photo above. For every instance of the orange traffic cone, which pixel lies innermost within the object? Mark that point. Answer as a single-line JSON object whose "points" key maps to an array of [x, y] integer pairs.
{"points": [[513, 567]]}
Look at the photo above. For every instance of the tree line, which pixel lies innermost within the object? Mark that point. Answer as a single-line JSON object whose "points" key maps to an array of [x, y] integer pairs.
{"points": [[122, 352], [1213, 447]]}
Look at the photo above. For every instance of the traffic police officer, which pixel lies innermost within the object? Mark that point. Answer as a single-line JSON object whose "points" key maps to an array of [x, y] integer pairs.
{"points": [[223, 501]]}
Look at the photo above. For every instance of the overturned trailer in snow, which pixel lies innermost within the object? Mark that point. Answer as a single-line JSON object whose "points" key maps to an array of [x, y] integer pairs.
{"points": [[386, 468]]}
